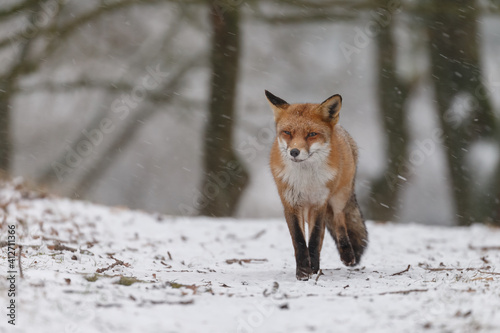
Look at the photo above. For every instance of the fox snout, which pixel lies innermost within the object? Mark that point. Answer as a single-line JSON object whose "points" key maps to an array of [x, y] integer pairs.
{"points": [[313, 153], [297, 155]]}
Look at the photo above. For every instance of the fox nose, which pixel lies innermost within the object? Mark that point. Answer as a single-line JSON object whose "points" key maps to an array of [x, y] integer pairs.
{"points": [[294, 152]]}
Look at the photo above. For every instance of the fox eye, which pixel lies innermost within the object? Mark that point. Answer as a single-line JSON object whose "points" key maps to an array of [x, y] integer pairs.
{"points": [[287, 132], [312, 134]]}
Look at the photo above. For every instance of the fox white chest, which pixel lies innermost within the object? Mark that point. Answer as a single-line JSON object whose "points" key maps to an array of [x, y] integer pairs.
{"points": [[306, 182]]}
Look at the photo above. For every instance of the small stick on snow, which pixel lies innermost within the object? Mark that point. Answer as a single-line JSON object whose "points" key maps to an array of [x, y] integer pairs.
{"points": [[319, 274], [57, 241], [484, 248], [19, 262], [165, 264], [60, 247], [399, 273], [451, 269], [484, 272], [259, 234], [404, 292], [117, 262], [246, 261]]}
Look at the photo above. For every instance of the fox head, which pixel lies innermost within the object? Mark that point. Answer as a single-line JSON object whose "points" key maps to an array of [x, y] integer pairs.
{"points": [[304, 131]]}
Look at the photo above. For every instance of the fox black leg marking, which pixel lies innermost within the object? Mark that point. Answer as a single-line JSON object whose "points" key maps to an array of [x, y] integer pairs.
{"points": [[316, 242], [303, 270]]}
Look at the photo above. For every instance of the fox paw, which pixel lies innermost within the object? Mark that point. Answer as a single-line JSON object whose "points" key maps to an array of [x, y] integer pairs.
{"points": [[347, 254], [303, 274]]}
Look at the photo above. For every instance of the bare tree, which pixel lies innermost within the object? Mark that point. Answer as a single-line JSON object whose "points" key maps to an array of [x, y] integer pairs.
{"points": [[225, 175], [48, 26], [19, 44], [456, 71], [392, 93]]}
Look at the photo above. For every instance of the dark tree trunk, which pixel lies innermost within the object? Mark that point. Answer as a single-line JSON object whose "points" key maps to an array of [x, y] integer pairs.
{"points": [[5, 135], [8, 85], [456, 71], [392, 94], [224, 176]]}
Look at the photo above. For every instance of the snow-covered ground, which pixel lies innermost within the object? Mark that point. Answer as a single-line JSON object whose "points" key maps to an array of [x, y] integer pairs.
{"points": [[90, 268]]}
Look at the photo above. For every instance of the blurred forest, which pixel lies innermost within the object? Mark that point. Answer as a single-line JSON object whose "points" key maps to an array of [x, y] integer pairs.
{"points": [[159, 104]]}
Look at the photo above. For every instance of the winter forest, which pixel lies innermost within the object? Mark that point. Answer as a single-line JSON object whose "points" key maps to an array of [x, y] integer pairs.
{"points": [[145, 103], [136, 188]]}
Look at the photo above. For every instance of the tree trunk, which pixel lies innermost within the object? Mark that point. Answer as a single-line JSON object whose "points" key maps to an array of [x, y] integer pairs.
{"points": [[456, 71], [8, 83], [224, 176], [392, 94], [5, 135]]}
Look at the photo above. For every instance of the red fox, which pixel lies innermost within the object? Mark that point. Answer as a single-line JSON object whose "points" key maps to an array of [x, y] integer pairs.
{"points": [[313, 162]]}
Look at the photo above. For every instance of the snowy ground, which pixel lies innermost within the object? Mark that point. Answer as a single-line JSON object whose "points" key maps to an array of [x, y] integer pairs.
{"points": [[90, 268]]}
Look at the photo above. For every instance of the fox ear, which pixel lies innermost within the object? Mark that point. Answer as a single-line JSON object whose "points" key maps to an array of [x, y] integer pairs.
{"points": [[277, 104], [330, 108]]}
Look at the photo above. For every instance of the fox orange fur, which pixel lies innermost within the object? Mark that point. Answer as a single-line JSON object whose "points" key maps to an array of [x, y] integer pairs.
{"points": [[313, 162]]}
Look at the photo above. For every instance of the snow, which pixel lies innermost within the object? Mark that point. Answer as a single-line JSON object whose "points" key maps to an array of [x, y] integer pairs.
{"points": [[227, 275]]}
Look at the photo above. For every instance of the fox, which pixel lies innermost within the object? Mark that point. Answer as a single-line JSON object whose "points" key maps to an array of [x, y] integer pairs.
{"points": [[313, 161]]}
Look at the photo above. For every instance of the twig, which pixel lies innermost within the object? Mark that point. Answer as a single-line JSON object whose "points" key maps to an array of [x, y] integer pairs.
{"points": [[450, 269], [486, 261], [154, 302], [111, 305], [56, 240], [61, 247], [493, 273], [165, 264], [246, 261], [484, 248], [460, 269], [259, 234], [399, 273], [317, 277], [404, 292], [19, 262], [116, 263]]}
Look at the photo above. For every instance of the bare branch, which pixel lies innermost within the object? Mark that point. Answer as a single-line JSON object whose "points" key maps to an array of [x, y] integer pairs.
{"points": [[304, 11], [65, 29], [326, 4], [301, 18], [83, 83], [100, 84], [163, 94], [17, 8]]}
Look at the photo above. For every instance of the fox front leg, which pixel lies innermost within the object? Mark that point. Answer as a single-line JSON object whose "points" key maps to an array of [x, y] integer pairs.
{"points": [[302, 259], [317, 232]]}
